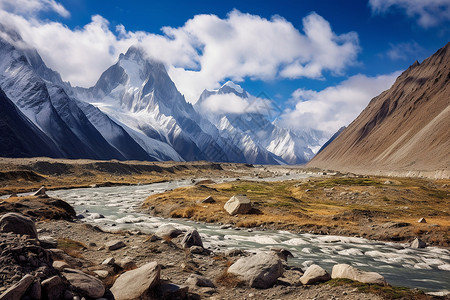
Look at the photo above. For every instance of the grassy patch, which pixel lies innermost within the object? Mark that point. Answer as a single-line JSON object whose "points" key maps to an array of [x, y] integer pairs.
{"points": [[341, 181], [71, 247], [386, 292]]}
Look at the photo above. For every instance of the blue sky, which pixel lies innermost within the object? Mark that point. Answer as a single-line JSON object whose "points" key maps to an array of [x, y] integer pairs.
{"points": [[321, 79]]}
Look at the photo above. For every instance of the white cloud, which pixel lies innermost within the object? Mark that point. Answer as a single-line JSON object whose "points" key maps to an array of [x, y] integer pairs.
{"points": [[201, 53], [428, 13], [32, 7], [336, 106], [231, 103]]}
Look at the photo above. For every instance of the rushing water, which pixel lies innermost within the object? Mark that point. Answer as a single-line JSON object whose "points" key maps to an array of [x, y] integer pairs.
{"points": [[427, 269]]}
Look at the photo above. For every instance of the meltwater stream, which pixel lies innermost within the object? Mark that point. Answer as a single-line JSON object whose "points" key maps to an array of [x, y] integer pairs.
{"points": [[427, 269]]}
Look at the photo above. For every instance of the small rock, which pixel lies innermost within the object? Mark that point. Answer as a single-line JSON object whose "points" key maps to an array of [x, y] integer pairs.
{"points": [[109, 261], [48, 242], [114, 245], [191, 238], [167, 290], [200, 281], [418, 243], [208, 199], [127, 264], [41, 192], [234, 252], [422, 220], [168, 231], [101, 273], [314, 273], [197, 250], [238, 204], [282, 253], [60, 265]]}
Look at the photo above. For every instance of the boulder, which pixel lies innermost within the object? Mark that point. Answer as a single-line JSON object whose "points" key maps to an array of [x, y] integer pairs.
{"points": [[259, 271], [114, 245], [200, 281], [208, 199], [168, 290], [48, 242], [418, 243], [35, 291], [313, 274], [168, 231], [18, 290], [282, 253], [349, 272], [101, 273], [53, 288], [238, 204], [86, 284], [137, 283], [60, 265], [191, 238], [19, 224]]}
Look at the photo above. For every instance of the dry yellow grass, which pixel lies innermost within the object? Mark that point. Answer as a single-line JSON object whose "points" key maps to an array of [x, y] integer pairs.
{"points": [[329, 205]]}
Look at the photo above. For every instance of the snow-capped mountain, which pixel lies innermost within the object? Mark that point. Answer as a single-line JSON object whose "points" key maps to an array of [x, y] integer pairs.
{"points": [[134, 111], [260, 140], [138, 93]]}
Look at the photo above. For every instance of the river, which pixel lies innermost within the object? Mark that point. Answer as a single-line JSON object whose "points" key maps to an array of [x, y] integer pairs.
{"points": [[427, 269]]}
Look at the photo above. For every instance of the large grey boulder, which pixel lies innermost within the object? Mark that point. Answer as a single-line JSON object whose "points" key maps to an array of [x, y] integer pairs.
{"points": [[238, 204], [137, 283], [86, 284], [168, 231], [18, 290], [418, 243], [349, 272], [259, 271], [19, 224], [314, 274], [191, 238]]}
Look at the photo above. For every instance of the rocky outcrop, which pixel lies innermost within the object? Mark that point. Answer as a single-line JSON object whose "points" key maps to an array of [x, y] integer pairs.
{"points": [[259, 271], [349, 272], [137, 284], [238, 204], [314, 274], [19, 224]]}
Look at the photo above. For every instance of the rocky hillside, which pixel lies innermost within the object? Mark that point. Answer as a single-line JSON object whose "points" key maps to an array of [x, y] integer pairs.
{"points": [[404, 130]]}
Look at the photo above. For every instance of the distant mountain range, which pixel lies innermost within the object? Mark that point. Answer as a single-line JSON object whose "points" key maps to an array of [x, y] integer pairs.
{"points": [[133, 112], [404, 129]]}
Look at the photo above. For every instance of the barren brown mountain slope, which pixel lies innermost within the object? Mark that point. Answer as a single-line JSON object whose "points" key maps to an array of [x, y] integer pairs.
{"points": [[404, 131]]}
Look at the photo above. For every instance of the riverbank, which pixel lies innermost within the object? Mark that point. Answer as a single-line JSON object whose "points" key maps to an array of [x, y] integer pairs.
{"points": [[375, 208]]}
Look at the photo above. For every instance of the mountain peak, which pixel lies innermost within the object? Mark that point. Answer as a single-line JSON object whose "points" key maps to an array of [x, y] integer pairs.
{"points": [[233, 86]]}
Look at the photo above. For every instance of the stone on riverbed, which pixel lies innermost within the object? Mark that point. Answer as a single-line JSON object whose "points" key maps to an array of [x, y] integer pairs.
{"points": [[191, 238], [313, 274], [238, 204], [114, 245], [349, 272], [259, 271], [137, 283], [418, 243], [168, 231]]}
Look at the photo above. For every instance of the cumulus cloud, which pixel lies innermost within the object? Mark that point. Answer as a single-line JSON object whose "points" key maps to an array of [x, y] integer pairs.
{"points": [[32, 7], [200, 54], [428, 13], [335, 106], [231, 103]]}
